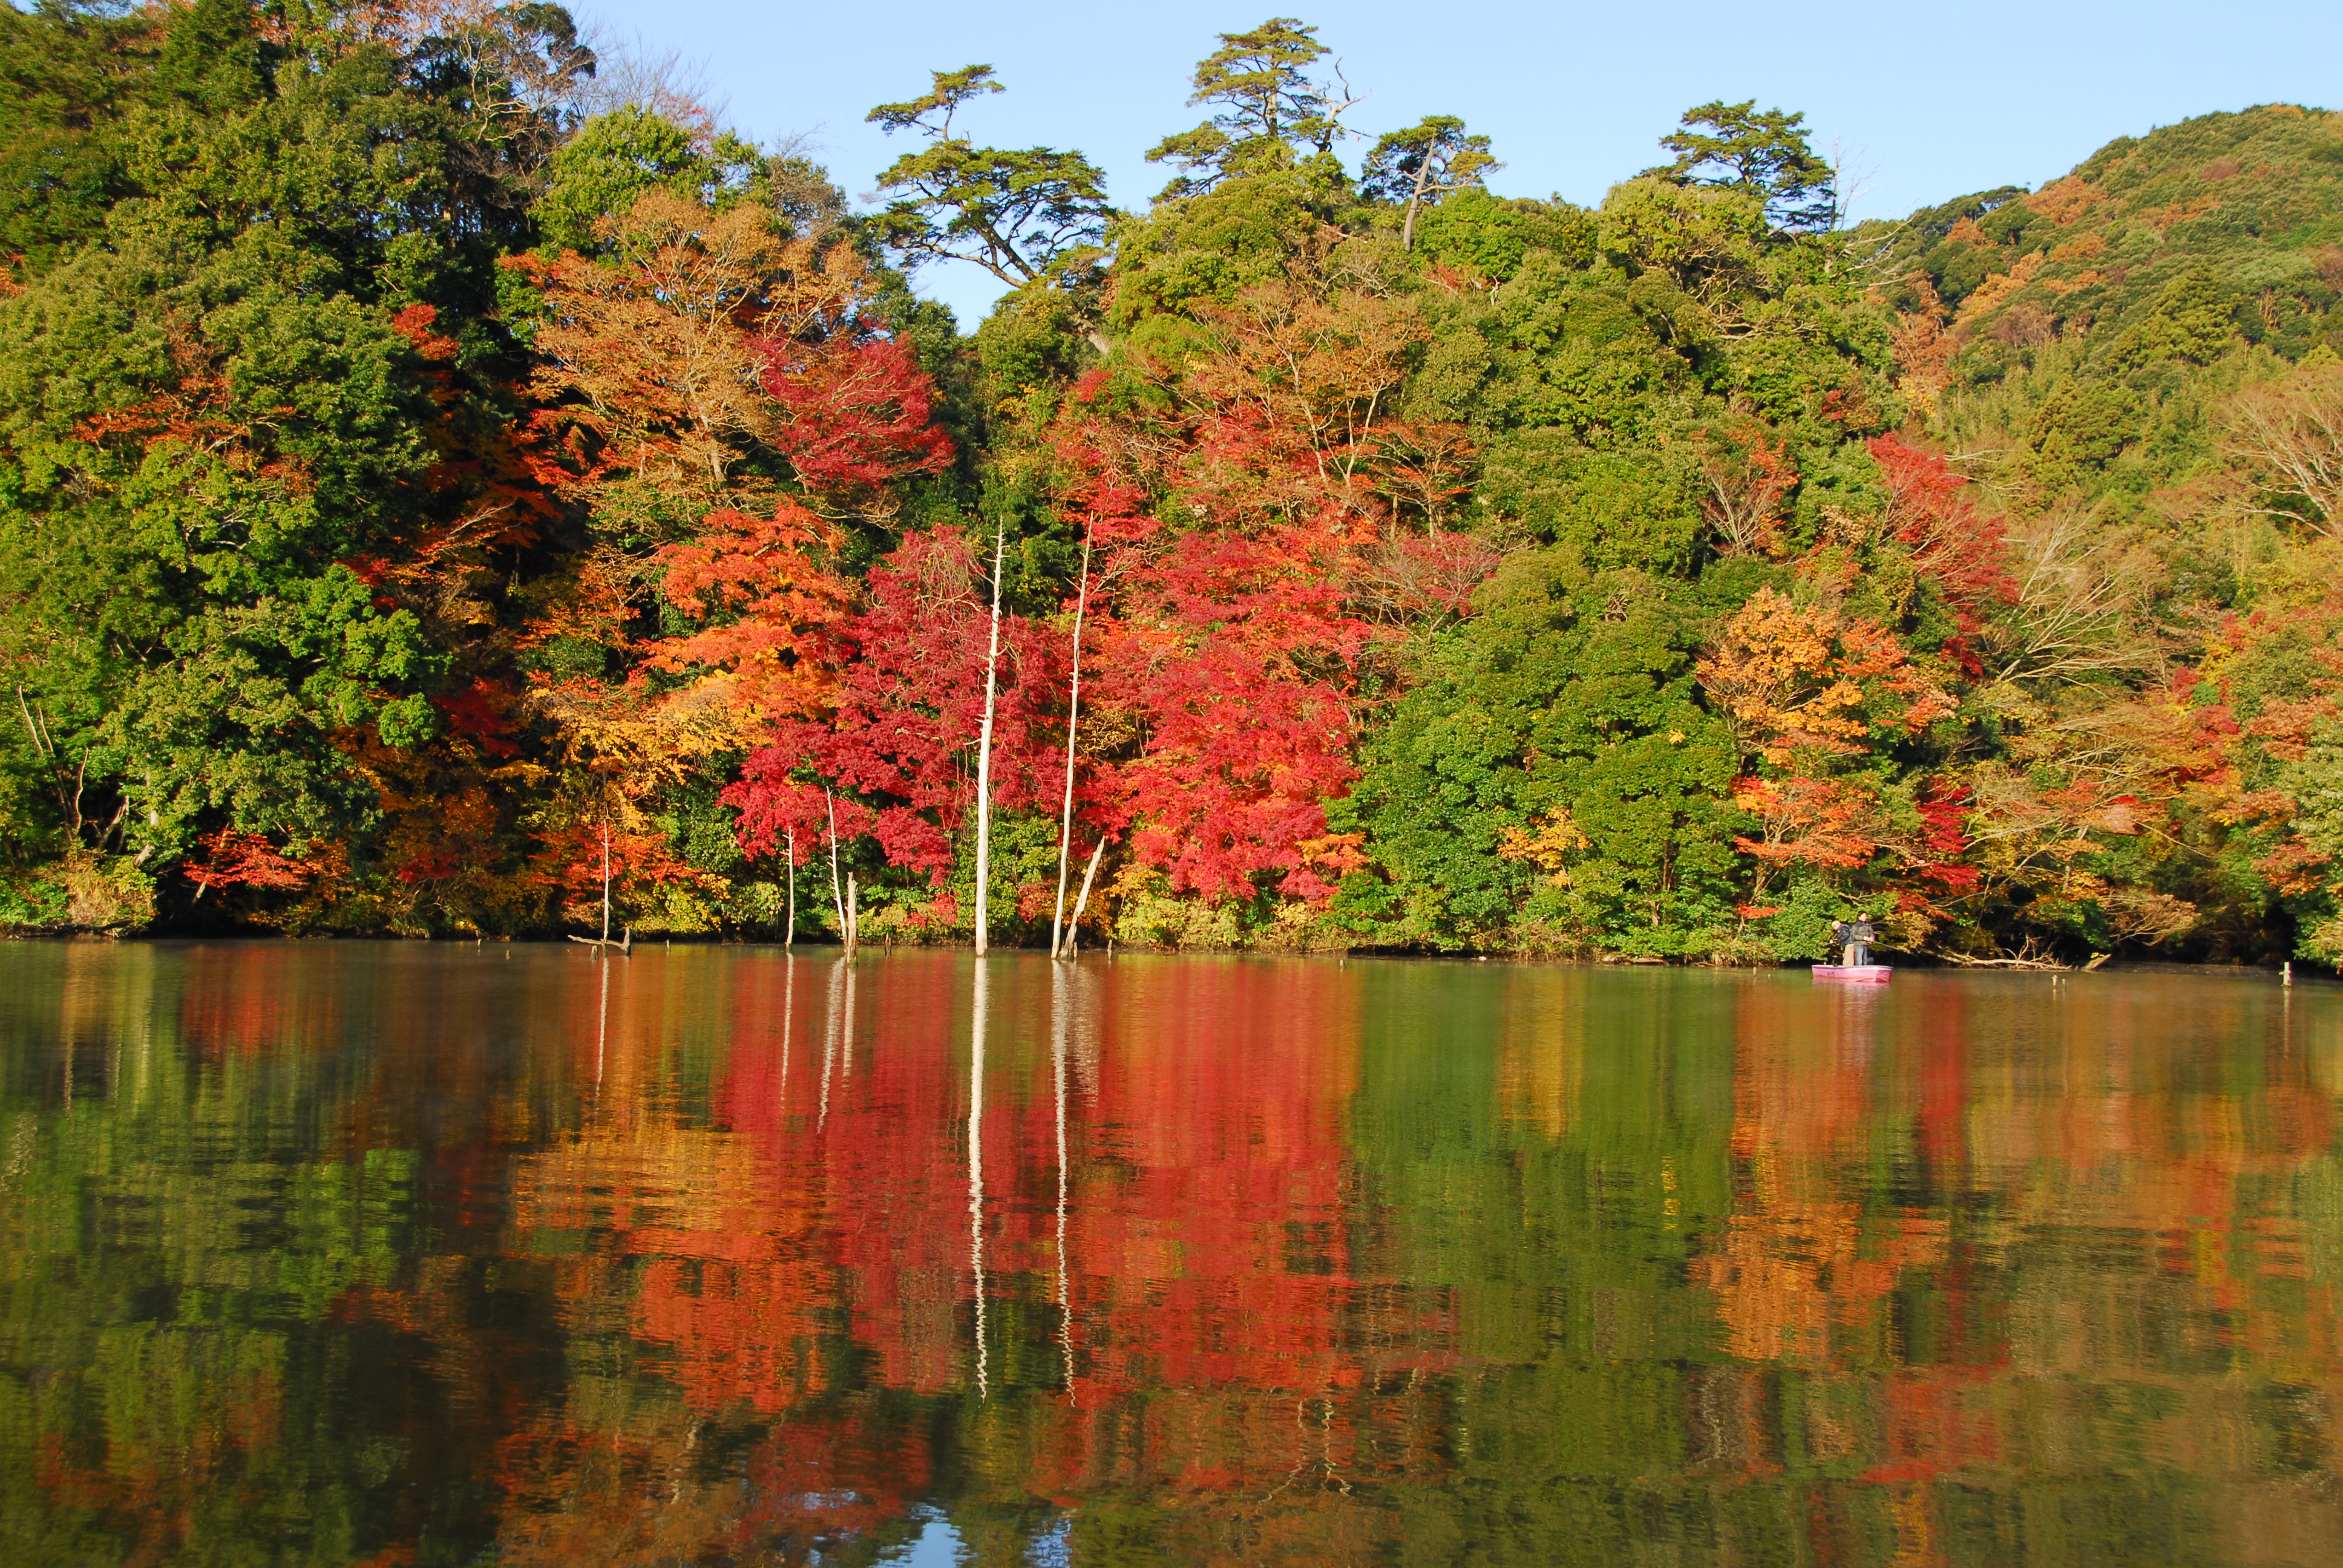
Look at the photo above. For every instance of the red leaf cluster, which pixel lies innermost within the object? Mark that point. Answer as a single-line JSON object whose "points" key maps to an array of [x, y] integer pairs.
{"points": [[1238, 652], [231, 858], [856, 416], [1953, 545], [897, 749]]}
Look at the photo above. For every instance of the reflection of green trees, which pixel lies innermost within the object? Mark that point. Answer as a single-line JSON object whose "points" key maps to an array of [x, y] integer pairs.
{"points": [[1568, 1273], [1554, 1245], [2045, 1360], [174, 1246]]}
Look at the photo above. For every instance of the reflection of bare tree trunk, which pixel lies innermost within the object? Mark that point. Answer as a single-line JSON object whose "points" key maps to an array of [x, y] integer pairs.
{"points": [[846, 1027], [984, 746], [976, 1172], [1073, 721], [838, 972], [1721, 1427], [1090, 1000], [788, 1017], [1058, 1002]]}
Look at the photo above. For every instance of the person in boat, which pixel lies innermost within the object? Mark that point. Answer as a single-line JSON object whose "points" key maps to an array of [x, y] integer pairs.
{"points": [[1855, 936]]}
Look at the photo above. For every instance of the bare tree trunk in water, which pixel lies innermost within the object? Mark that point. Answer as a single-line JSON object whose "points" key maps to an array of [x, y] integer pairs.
{"points": [[1083, 902], [984, 745], [1073, 721], [837, 896], [853, 914], [789, 928], [606, 878]]}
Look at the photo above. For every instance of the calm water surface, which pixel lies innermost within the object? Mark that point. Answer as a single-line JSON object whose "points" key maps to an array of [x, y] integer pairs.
{"points": [[417, 1255]]}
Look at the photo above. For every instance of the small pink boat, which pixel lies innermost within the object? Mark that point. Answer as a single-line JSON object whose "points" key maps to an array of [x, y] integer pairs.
{"points": [[1855, 974]]}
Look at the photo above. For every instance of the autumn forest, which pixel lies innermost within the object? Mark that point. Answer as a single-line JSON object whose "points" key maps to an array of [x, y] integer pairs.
{"points": [[453, 484]]}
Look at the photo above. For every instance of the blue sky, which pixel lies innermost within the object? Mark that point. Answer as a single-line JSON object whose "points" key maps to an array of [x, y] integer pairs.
{"points": [[1923, 102]]}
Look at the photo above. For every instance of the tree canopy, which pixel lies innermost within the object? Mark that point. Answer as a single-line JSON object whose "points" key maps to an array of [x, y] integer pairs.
{"points": [[1272, 110], [422, 458], [1014, 214], [1765, 153]]}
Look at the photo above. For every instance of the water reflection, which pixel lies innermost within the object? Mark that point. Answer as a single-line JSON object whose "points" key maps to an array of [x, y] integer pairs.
{"points": [[404, 1255], [977, 1010]]}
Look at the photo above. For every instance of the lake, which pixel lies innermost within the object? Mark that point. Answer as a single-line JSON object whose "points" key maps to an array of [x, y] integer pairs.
{"points": [[423, 1254]]}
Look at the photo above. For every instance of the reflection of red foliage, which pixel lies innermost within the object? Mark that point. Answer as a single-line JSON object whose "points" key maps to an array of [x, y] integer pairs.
{"points": [[835, 1470], [833, 1473], [1208, 1254], [1930, 1433], [158, 1484], [248, 1000], [785, 1239]]}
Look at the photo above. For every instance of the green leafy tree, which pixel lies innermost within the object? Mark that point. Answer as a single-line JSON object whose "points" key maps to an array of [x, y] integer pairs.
{"points": [[1271, 111], [1764, 152], [1016, 214], [213, 59], [617, 156], [1419, 166], [1553, 780], [70, 71], [216, 429]]}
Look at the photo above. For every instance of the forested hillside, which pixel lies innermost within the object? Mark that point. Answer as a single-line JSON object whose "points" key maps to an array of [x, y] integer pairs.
{"points": [[435, 464]]}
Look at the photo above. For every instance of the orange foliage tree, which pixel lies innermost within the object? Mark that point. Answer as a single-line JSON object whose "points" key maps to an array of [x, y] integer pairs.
{"points": [[1810, 693], [721, 400]]}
